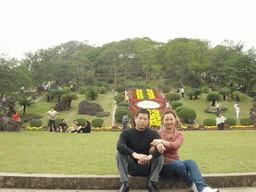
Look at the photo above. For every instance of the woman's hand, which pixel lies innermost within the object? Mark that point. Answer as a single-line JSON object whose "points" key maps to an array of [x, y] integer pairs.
{"points": [[161, 148], [156, 142]]}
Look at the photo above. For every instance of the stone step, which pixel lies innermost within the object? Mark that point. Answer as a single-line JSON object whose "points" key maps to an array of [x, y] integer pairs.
{"points": [[110, 182]]}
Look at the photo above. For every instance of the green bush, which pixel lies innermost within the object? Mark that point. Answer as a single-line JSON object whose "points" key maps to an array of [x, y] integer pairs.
{"points": [[82, 90], [209, 122], [230, 121], [81, 121], [102, 90], [205, 89], [254, 99], [176, 104], [57, 121], [178, 109], [252, 93], [120, 88], [235, 94], [67, 89], [187, 115], [123, 104], [33, 96], [119, 98], [186, 88], [92, 94], [166, 89], [97, 122], [120, 113], [35, 123], [246, 121], [172, 97]]}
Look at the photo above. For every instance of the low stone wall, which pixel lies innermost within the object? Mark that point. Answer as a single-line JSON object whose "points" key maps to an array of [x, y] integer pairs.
{"points": [[101, 182]]}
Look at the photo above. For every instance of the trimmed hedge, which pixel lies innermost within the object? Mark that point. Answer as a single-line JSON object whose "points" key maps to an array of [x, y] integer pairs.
{"points": [[81, 121], [230, 121], [246, 121], [120, 88], [209, 122], [172, 97], [176, 104], [97, 122], [188, 115], [102, 90], [35, 123], [123, 104], [120, 113], [166, 89], [119, 98], [178, 109]]}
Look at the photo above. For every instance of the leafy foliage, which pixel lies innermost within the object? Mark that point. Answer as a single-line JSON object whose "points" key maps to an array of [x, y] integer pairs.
{"points": [[172, 97], [97, 122], [92, 94], [176, 104], [36, 123], [246, 121], [102, 90], [213, 96], [188, 115], [230, 121], [209, 122]]}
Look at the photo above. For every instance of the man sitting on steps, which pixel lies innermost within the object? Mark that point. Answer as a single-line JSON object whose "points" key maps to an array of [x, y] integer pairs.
{"points": [[133, 155]]}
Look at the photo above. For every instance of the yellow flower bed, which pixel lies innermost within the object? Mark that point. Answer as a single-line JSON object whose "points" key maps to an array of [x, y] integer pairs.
{"points": [[139, 94], [34, 128], [150, 94], [155, 118]]}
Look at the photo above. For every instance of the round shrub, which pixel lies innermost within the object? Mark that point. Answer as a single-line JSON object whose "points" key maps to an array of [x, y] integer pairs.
{"points": [[230, 121], [188, 115], [246, 121], [97, 122], [67, 89], [120, 88], [35, 123], [81, 121], [119, 98], [166, 89], [205, 89], [122, 107], [102, 90], [178, 109], [82, 90], [123, 104], [176, 104], [58, 121], [209, 122], [254, 99], [120, 113], [172, 97], [100, 84]]}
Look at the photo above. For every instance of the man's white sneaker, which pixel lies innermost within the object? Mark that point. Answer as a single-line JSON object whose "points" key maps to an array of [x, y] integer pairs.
{"points": [[208, 189], [193, 187]]}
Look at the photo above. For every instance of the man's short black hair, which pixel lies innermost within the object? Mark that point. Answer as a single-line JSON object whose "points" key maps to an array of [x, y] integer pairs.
{"points": [[144, 111], [62, 119]]}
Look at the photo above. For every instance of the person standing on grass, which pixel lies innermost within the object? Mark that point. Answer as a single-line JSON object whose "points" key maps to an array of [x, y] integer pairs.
{"points": [[133, 156], [171, 141], [222, 120], [52, 115], [182, 91], [235, 106], [125, 120], [218, 108], [237, 111], [218, 122]]}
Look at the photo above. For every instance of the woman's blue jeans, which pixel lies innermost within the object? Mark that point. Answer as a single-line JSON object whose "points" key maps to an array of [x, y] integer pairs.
{"points": [[187, 170]]}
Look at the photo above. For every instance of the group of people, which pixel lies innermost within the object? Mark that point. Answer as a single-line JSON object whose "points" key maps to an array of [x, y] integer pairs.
{"points": [[220, 119], [63, 127], [145, 152]]}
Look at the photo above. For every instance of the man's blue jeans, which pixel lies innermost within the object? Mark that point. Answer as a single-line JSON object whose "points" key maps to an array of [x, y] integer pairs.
{"points": [[187, 170]]}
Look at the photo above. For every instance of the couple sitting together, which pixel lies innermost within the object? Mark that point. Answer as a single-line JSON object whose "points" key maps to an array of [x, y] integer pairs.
{"points": [[145, 152], [77, 128]]}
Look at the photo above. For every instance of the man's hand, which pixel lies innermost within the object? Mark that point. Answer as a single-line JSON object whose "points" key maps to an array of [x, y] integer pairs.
{"points": [[156, 142], [152, 148], [140, 157], [147, 159], [161, 148]]}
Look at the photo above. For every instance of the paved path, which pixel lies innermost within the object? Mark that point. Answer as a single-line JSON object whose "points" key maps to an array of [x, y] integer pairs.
{"points": [[240, 189]]}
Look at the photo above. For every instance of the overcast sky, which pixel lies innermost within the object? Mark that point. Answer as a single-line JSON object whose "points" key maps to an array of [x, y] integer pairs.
{"points": [[28, 25]]}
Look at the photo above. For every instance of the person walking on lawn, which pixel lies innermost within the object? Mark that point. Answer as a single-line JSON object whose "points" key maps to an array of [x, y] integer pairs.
{"points": [[52, 115], [133, 156]]}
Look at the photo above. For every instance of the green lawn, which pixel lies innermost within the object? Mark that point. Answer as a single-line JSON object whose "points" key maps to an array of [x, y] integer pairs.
{"points": [[42, 106], [94, 153], [200, 104]]}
